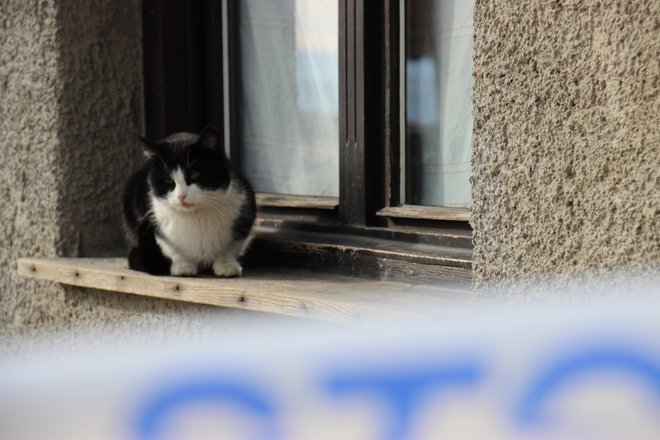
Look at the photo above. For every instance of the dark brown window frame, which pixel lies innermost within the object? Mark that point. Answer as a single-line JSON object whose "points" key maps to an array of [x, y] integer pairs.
{"points": [[192, 56]]}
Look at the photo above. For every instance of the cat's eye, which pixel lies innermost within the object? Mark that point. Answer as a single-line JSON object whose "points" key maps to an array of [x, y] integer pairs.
{"points": [[194, 175]]}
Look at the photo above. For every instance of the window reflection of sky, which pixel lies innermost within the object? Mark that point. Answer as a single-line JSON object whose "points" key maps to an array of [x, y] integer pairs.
{"points": [[318, 85], [422, 91], [438, 84], [317, 60]]}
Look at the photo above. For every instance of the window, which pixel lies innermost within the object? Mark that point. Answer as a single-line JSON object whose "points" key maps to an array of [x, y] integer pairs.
{"points": [[437, 49], [289, 96], [352, 119]]}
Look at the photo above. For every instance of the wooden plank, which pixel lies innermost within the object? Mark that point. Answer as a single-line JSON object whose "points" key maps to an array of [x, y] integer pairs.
{"points": [[318, 258], [295, 201], [302, 294], [354, 245], [426, 212], [453, 234]]}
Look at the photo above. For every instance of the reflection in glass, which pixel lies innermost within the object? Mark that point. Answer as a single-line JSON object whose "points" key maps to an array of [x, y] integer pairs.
{"points": [[289, 63], [438, 116]]}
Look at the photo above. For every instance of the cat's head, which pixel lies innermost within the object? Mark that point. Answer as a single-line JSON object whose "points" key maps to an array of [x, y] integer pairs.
{"points": [[187, 170]]}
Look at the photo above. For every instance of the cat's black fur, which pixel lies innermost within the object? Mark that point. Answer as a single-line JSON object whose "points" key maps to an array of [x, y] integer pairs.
{"points": [[202, 154]]}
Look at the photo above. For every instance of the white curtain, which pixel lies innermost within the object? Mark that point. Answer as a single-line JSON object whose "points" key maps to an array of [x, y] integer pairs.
{"points": [[290, 98], [290, 95], [439, 106]]}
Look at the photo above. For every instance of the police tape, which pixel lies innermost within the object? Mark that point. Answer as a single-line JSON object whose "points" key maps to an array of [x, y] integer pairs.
{"points": [[581, 371]]}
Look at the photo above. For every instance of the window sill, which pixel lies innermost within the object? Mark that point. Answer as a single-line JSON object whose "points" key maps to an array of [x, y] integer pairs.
{"points": [[299, 293], [378, 256], [426, 212], [272, 200]]}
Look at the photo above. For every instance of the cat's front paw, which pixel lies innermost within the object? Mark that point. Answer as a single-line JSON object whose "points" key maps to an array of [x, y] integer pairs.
{"points": [[183, 269], [227, 269]]}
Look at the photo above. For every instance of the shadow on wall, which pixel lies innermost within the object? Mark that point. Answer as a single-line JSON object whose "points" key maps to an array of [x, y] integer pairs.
{"points": [[100, 115]]}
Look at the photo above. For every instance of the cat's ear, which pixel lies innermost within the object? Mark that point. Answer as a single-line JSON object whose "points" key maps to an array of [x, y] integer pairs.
{"points": [[210, 138], [151, 148]]}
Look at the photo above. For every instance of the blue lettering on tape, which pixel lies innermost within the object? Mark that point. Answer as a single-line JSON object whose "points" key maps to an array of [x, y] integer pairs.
{"points": [[211, 390], [403, 390], [557, 377]]}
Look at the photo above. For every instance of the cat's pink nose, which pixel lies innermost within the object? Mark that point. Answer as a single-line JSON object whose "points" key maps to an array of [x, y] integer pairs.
{"points": [[182, 197]]}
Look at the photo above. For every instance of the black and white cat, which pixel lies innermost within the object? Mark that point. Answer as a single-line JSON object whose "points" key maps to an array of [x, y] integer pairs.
{"points": [[187, 210]]}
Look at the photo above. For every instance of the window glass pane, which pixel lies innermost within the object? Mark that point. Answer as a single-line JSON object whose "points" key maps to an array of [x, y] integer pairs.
{"points": [[438, 116], [290, 95]]}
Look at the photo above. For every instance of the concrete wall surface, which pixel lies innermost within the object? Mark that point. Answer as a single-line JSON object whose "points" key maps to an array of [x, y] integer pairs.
{"points": [[566, 159], [566, 147], [70, 113]]}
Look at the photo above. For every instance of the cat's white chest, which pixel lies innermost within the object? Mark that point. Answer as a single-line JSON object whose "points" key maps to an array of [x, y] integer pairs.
{"points": [[200, 236]]}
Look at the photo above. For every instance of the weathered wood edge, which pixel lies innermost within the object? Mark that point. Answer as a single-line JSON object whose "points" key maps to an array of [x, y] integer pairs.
{"points": [[354, 251], [426, 212], [293, 201], [338, 303]]}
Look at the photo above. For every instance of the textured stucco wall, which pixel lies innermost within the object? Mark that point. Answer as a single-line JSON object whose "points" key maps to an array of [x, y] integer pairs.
{"points": [[566, 147], [28, 136], [70, 110]]}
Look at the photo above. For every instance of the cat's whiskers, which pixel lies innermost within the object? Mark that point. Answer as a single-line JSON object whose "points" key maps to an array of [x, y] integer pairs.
{"points": [[212, 202], [187, 163], [190, 164], [162, 165], [149, 216]]}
